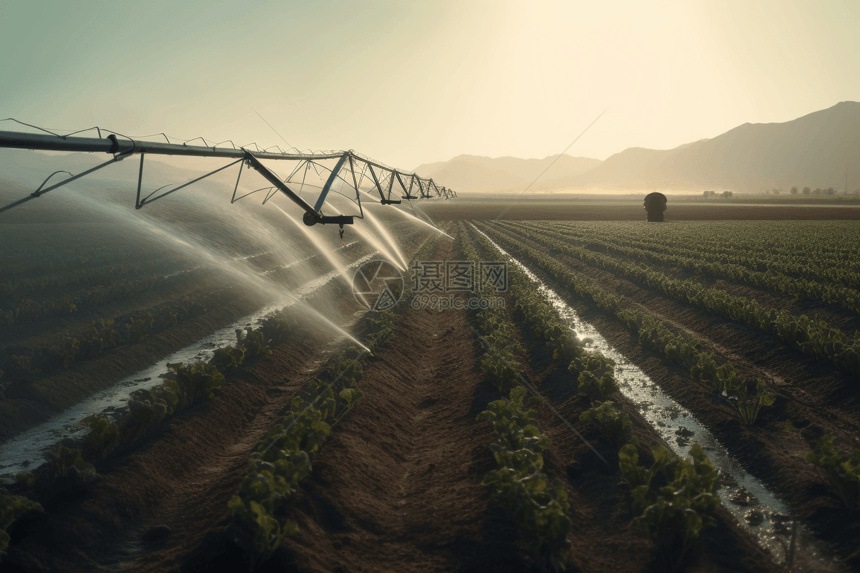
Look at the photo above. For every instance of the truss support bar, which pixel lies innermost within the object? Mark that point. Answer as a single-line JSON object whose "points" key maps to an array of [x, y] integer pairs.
{"points": [[400, 181], [376, 181], [409, 191], [421, 188], [274, 180], [147, 201], [390, 185], [140, 181], [236, 188], [355, 184], [36, 194], [327, 187]]}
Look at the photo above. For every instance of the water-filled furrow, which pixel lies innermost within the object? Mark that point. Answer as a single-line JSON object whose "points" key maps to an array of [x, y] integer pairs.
{"points": [[754, 507], [25, 451]]}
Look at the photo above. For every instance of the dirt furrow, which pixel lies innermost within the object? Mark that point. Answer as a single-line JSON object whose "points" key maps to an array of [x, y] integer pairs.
{"points": [[397, 487]]}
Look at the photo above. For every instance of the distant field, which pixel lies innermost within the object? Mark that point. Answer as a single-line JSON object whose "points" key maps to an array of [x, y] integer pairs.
{"points": [[591, 210]]}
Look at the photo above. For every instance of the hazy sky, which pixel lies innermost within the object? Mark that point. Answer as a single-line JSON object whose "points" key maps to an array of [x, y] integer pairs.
{"points": [[414, 82]]}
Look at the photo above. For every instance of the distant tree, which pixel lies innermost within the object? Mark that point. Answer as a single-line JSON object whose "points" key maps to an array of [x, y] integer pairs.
{"points": [[831, 191], [777, 191], [806, 191], [794, 190], [817, 191], [726, 194], [705, 194]]}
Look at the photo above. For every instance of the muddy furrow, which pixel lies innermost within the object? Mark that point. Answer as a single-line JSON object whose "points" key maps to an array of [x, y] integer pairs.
{"points": [[601, 504], [766, 449], [180, 478]]}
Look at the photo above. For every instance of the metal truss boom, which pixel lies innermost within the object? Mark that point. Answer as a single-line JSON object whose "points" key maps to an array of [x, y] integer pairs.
{"points": [[122, 148]]}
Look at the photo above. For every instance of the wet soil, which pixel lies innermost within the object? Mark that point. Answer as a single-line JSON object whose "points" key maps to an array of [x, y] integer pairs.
{"points": [[813, 395], [36, 400], [181, 477], [395, 488]]}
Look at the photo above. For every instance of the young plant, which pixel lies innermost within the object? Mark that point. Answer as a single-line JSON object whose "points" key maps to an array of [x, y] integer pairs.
{"points": [[253, 343], [275, 329], [349, 395], [12, 507], [596, 380], [675, 515], [843, 471], [613, 424], [256, 531], [519, 484], [228, 357], [104, 435], [749, 406], [69, 470], [720, 377]]}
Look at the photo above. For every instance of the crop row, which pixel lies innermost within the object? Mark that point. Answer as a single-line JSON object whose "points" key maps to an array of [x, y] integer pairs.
{"points": [[33, 282], [814, 337], [63, 256], [283, 457], [833, 294], [692, 242], [67, 471], [827, 242], [842, 469], [747, 397], [30, 311], [519, 484], [60, 350], [673, 516]]}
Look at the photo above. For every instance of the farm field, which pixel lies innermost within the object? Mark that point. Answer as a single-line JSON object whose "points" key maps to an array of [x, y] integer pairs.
{"points": [[573, 208], [426, 287], [455, 439]]}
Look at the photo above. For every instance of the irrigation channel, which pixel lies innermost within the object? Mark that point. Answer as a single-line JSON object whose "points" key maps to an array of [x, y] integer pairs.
{"points": [[25, 451], [680, 430]]}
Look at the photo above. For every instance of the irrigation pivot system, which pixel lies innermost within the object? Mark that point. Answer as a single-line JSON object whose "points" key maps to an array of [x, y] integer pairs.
{"points": [[351, 169]]}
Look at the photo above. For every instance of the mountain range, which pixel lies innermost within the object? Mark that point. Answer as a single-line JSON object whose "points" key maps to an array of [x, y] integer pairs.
{"points": [[814, 150]]}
